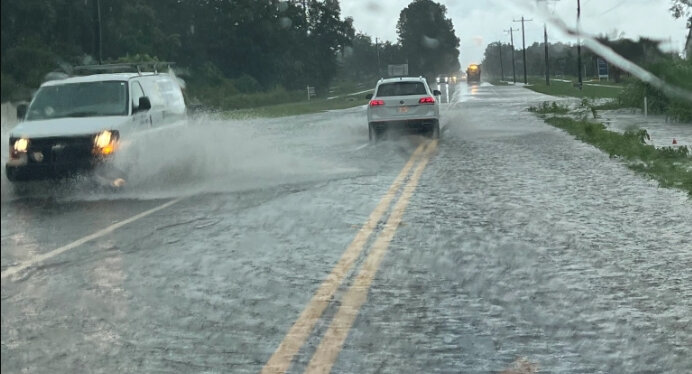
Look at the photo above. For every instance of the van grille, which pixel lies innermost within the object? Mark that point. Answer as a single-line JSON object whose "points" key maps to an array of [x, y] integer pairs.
{"points": [[62, 150]]}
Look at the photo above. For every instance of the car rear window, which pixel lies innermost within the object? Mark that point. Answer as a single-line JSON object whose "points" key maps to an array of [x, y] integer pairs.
{"points": [[401, 89]]}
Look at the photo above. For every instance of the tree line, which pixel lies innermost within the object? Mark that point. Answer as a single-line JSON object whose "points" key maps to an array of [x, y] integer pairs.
{"points": [[562, 58], [227, 47]]}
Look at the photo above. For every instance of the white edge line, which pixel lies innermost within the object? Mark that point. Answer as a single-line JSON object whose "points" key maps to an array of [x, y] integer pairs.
{"points": [[40, 258], [362, 146]]}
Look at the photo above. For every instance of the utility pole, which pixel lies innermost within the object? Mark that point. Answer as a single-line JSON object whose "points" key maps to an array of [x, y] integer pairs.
{"points": [[523, 44], [547, 59], [511, 38], [545, 42], [579, 44], [377, 49], [98, 50], [688, 45], [502, 69]]}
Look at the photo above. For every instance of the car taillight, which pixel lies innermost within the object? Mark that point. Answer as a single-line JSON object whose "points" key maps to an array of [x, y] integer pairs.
{"points": [[376, 102], [426, 100]]}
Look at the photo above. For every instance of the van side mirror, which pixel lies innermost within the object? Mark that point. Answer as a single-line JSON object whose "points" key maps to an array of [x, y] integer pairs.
{"points": [[21, 111], [144, 104], [368, 96], [437, 92]]}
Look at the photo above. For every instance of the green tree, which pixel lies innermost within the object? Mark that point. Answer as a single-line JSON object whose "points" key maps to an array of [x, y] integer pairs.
{"points": [[252, 44], [683, 8], [328, 35], [491, 61], [360, 59], [427, 38]]}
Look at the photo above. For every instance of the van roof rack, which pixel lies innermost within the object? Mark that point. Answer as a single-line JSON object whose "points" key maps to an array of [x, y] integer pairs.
{"points": [[125, 67]]}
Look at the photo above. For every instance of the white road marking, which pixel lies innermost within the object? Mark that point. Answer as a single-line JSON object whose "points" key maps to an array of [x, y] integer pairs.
{"points": [[40, 258], [362, 146]]}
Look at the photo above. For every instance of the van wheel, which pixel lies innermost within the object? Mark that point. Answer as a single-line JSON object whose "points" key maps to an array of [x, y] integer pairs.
{"points": [[110, 178]]}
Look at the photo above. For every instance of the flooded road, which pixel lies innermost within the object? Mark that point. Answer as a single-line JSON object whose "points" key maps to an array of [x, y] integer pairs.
{"points": [[294, 245]]}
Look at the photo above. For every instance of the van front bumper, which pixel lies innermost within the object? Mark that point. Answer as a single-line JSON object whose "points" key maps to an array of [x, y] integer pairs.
{"points": [[21, 170], [55, 158]]}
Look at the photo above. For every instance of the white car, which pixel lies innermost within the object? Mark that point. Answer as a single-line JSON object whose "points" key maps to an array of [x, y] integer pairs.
{"points": [[76, 125], [403, 103]]}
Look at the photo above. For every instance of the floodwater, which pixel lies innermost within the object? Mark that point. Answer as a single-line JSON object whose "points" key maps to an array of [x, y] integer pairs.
{"points": [[518, 241]]}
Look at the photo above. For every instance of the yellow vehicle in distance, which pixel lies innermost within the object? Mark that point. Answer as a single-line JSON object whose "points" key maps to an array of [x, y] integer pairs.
{"points": [[473, 73]]}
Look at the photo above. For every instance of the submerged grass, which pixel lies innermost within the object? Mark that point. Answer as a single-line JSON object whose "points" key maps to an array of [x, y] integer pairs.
{"points": [[671, 167], [560, 88], [546, 108]]}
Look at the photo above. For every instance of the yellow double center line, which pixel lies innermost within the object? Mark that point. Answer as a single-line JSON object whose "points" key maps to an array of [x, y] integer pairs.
{"points": [[328, 350]]}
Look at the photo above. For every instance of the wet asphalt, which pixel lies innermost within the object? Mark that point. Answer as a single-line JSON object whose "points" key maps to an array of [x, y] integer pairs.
{"points": [[518, 242]]}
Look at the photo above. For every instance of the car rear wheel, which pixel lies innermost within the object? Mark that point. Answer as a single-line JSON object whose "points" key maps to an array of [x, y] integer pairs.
{"points": [[373, 134], [435, 130]]}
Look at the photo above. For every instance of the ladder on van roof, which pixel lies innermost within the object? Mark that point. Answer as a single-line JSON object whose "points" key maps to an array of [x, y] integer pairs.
{"points": [[125, 67]]}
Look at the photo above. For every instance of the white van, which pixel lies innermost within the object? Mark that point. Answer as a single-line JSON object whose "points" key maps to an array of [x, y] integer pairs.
{"points": [[76, 125]]}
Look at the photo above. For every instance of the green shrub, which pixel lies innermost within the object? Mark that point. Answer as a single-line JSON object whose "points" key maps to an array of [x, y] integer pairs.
{"points": [[278, 95], [247, 84], [546, 108], [676, 73], [24, 68]]}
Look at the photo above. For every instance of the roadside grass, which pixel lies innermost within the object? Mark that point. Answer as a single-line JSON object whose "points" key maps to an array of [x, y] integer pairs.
{"points": [[315, 105], [560, 88], [671, 167]]}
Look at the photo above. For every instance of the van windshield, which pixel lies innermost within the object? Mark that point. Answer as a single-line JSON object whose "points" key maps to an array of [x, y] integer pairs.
{"points": [[87, 99]]}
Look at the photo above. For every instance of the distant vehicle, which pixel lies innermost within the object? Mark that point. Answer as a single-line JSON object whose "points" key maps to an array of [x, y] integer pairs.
{"points": [[405, 104], [473, 73], [76, 125], [442, 79], [449, 78]]}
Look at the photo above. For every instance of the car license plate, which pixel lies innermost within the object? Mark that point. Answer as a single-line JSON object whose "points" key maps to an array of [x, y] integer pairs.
{"points": [[403, 109]]}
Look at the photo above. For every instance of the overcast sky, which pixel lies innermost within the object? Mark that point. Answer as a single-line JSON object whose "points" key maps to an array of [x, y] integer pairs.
{"points": [[479, 22]]}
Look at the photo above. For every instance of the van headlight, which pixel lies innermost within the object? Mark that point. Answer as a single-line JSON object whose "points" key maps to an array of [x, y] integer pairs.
{"points": [[105, 142], [18, 147], [21, 145]]}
